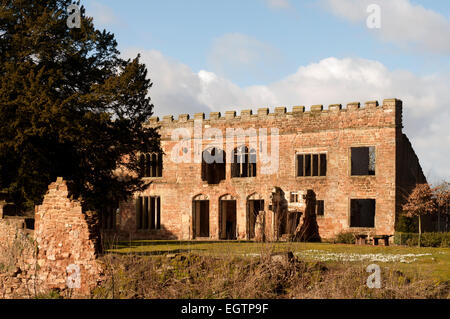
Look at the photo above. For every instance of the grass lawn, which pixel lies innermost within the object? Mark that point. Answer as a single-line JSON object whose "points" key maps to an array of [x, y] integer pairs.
{"points": [[431, 263]]}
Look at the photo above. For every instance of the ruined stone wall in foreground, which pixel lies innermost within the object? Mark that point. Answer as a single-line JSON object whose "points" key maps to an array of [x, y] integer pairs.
{"points": [[62, 254]]}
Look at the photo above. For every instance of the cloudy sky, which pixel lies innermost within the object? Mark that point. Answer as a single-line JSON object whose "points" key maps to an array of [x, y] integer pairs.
{"points": [[210, 55]]}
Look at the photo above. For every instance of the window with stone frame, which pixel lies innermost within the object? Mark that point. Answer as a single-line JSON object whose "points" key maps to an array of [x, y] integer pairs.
{"points": [[362, 213], [151, 164], [108, 217], [148, 213], [363, 161], [311, 165], [320, 207], [213, 165], [244, 162]]}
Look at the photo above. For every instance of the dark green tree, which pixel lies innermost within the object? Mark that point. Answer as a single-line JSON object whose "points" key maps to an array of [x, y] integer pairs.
{"points": [[70, 106]]}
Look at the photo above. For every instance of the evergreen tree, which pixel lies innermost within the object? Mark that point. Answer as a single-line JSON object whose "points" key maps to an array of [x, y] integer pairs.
{"points": [[70, 106]]}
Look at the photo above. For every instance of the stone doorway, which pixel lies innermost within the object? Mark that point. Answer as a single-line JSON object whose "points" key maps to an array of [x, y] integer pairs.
{"points": [[227, 218], [200, 218], [255, 204]]}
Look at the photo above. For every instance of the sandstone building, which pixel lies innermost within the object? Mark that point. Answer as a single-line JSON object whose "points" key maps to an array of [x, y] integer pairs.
{"points": [[356, 161]]}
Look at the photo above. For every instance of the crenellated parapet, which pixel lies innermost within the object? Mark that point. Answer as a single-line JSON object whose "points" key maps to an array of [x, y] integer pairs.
{"points": [[390, 107]]}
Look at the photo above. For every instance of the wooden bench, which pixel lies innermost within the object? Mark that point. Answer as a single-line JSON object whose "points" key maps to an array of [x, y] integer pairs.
{"points": [[360, 239], [385, 238]]}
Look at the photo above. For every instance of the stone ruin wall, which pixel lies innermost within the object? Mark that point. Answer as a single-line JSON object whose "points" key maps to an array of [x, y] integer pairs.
{"points": [[64, 242]]}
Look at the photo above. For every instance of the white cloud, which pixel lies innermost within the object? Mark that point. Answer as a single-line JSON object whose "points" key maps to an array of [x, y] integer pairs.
{"points": [[177, 89], [279, 4], [403, 23], [235, 55], [103, 15]]}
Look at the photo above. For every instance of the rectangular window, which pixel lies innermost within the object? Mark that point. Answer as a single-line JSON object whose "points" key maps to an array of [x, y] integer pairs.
{"points": [[363, 161], [308, 165], [294, 197], [108, 217], [148, 213], [315, 165], [300, 165], [320, 208], [362, 213], [311, 165], [151, 165], [323, 164]]}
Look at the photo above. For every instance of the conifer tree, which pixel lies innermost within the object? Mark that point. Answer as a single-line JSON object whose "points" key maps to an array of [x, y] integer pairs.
{"points": [[70, 106]]}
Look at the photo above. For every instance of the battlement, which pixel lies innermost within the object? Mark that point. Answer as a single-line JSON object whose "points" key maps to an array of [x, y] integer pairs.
{"points": [[389, 105]]}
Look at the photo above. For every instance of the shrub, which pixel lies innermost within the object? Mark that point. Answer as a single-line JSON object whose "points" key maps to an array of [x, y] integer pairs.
{"points": [[345, 238], [427, 240]]}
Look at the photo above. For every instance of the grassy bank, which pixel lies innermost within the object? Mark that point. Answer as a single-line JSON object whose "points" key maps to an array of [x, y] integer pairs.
{"points": [[174, 269]]}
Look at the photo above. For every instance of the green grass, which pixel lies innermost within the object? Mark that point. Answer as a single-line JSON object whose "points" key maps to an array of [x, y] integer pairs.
{"points": [[436, 265]]}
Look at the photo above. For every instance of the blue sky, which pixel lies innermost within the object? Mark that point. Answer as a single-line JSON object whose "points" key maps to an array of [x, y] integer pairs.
{"points": [[208, 55], [303, 33]]}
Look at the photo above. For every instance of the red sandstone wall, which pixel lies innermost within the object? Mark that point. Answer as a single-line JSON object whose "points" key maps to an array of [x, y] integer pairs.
{"points": [[333, 131], [10, 229], [64, 237]]}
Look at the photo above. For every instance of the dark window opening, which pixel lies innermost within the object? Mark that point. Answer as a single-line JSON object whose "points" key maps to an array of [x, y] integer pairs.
{"points": [[307, 165], [300, 165], [320, 208], [362, 213], [363, 161], [213, 165], [108, 217], [294, 198], [315, 165], [311, 165], [151, 164], [323, 165], [148, 213], [244, 162]]}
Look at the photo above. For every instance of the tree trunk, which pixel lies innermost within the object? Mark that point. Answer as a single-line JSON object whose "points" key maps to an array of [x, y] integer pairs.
{"points": [[420, 229]]}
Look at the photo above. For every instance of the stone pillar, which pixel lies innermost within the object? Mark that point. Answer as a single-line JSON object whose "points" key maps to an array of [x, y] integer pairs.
{"points": [[260, 225]]}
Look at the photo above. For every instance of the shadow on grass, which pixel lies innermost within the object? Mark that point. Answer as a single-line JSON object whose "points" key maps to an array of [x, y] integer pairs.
{"points": [[157, 252], [137, 247]]}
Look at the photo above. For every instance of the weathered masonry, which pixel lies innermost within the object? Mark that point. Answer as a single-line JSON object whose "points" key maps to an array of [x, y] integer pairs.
{"points": [[356, 161]]}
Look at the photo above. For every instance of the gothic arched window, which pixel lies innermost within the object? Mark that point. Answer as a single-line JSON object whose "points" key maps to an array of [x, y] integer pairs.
{"points": [[244, 162], [213, 165]]}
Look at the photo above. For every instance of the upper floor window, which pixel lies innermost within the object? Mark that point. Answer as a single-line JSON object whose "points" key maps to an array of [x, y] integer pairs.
{"points": [[363, 161], [244, 162], [213, 165], [151, 164], [311, 165]]}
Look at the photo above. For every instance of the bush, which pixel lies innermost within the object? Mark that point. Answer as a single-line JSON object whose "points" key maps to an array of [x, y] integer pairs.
{"points": [[427, 239], [406, 224], [345, 238]]}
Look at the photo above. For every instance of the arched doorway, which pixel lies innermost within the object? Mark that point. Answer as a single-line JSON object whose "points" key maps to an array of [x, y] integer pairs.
{"points": [[200, 217], [255, 204], [227, 218]]}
